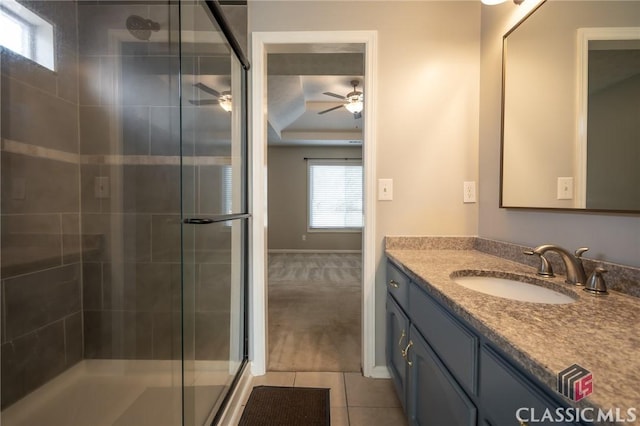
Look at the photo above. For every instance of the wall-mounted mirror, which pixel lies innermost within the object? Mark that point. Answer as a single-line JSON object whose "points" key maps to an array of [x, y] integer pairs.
{"points": [[571, 108]]}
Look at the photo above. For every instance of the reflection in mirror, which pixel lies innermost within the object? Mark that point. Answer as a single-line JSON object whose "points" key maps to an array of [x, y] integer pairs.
{"points": [[611, 113], [571, 109]]}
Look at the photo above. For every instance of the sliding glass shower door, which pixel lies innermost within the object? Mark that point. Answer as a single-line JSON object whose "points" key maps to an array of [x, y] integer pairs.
{"points": [[214, 211], [123, 222]]}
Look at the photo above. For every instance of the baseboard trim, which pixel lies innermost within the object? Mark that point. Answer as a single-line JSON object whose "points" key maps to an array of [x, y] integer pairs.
{"points": [[233, 411], [311, 251], [379, 372]]}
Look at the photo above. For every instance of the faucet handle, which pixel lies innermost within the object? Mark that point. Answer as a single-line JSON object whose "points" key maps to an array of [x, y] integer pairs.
{"points": [[544, 268], [595, 283], [580, 251]]}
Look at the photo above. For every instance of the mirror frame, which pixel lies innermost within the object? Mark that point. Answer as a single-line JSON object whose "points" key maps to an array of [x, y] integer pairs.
{"points": [[502, 123]]}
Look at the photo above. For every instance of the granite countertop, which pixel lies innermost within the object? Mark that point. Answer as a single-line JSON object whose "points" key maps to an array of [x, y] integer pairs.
{"points": [[601, 334]]}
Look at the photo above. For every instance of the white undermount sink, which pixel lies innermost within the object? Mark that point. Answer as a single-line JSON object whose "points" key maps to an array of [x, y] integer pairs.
{"points": [[513, 289]]}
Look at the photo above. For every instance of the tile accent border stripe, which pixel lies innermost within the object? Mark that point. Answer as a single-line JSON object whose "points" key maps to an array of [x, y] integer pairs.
{"points": [[22, 148], [35, 151]]}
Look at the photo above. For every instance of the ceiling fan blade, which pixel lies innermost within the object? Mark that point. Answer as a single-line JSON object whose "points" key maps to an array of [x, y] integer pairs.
{"points": [[330, 109], [207, 89], [204, 102], [357, 115], [334, 95]]}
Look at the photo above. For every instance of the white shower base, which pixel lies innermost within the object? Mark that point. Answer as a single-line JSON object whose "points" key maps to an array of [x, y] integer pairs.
{"points": [[123, 393]]}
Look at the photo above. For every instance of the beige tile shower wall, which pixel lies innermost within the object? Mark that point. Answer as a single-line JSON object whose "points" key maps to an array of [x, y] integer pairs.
{"points": [[288, 200], [41, 280]]}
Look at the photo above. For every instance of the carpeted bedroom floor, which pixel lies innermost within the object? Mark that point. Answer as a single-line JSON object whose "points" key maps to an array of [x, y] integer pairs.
{"points": [[314, 311]]}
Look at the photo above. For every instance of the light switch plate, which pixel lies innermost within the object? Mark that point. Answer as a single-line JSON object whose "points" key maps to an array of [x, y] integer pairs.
{"points": [[565, 188], [385, 189]]}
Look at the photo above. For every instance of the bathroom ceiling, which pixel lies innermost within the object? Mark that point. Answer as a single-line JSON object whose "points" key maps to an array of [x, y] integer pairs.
{"points": [[295, 95]]}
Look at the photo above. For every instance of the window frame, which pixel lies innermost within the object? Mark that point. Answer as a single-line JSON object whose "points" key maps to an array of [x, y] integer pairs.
{"points": [[39, 34], [332, 162]]}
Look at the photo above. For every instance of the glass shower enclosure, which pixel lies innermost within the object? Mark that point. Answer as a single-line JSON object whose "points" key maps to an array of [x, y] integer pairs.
{"points": [[123, 208]]}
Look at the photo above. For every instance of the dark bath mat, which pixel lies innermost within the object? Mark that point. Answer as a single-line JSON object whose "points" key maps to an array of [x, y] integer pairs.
{"points": [[286, 406]]}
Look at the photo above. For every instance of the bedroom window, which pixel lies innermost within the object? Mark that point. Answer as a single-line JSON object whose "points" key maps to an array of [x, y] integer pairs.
{"points": [[335, 195]]}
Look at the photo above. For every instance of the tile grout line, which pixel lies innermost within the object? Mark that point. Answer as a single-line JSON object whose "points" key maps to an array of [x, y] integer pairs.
{"points": [[346, 398]]}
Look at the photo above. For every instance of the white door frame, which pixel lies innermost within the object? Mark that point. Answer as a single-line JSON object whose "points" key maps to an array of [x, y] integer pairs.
{"points": [[258, 181]]}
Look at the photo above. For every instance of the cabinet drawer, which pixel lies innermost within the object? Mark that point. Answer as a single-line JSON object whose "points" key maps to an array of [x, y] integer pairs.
{"points": [[503, 391], [398, 285], [456, 346]]}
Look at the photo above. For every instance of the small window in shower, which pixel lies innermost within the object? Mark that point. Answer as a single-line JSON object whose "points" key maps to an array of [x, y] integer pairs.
{"points": [[26, 33]]}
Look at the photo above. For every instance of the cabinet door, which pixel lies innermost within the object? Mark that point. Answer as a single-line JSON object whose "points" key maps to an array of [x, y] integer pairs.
{"points": [[397, 340], [504, 392], [454, 344], [433, 395]]}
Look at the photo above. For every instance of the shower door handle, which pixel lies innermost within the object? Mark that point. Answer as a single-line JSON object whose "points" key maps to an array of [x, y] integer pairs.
{"points": [[215, 218], [198, 220]]}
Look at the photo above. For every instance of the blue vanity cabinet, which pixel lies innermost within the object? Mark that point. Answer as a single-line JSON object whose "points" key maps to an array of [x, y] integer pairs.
{"points": [[433, 395], [445, 372]]}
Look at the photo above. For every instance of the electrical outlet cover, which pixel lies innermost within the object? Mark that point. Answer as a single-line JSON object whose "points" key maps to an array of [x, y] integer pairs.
{"points": [[469, 192]]}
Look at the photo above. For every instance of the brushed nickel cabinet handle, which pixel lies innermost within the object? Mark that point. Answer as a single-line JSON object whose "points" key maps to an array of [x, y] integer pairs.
{"points": [[405, 353], [402, 336], [393, 284]]}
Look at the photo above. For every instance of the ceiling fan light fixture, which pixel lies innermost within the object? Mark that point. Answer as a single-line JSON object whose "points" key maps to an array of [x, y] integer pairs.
{"points": [[225, 102], [354, 107]]}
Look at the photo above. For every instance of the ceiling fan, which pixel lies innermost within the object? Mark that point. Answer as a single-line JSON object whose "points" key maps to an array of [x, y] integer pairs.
{"points": [[223, 98], [354, 101]]}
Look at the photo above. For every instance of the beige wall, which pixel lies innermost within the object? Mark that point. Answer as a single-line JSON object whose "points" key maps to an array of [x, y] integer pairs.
{"points": [[427, 109], [611, 237], [287, 180]]}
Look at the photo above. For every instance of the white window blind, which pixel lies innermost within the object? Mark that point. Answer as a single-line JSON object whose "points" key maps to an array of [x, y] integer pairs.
{"points": [[335, 194]]}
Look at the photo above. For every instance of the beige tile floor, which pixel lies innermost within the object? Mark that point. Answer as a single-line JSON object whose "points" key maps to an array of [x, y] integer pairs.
{"points": [[355, 400]]}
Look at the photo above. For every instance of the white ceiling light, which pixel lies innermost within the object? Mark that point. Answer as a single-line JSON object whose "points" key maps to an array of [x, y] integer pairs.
{"points": [[225, 101], [355, 104]]}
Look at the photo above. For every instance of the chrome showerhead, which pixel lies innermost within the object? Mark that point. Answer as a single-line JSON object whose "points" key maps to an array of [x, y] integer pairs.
{"points": [[141, 28]]}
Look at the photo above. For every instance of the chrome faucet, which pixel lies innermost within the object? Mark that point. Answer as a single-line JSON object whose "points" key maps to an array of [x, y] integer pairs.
{"points": [[572, 263]]}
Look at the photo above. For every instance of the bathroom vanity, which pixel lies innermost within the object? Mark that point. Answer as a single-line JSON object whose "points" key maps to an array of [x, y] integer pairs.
{"points": [[461, 357]]}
